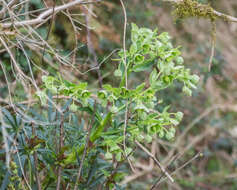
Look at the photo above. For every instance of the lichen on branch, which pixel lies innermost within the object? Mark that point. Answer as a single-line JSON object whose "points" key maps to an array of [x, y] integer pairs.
{"points": [[190, 8]]}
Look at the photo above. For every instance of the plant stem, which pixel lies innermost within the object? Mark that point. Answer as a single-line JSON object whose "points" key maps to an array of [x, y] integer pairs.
{"points": [[85, 149], [59, 150]]}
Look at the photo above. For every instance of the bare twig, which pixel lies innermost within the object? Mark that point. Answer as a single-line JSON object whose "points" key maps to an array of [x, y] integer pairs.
{"points": [[49, 31], [156, 161], [162, 175], [21, 167], [45, 14], [5, 139], [75, 36], [91, 47], [213, 41], [5, 7], [199, 154]]}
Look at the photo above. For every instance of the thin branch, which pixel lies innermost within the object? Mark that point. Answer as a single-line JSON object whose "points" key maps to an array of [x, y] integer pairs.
{"points": [[49, 31], [162, 175], [199, 154], [91, 49], [126, 82], [213, 41], [20, 72], [9, 5], [21, 167], [225, 17], [46, 14], [156, 161], [75, 36], [5, 139]]}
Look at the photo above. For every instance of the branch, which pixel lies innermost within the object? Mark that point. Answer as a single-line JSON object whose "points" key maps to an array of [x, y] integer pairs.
{"points": [[199, 154], [45, 14], [156, 161], [126, 82], [223, 16], [7, 6], [91, 50]]}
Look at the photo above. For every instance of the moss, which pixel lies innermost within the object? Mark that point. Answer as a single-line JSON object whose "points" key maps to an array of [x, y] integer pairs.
{"points": [[190, 8]]}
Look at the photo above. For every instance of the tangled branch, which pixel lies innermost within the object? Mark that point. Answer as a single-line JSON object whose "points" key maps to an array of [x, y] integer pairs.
{"points": [[45, 15]]}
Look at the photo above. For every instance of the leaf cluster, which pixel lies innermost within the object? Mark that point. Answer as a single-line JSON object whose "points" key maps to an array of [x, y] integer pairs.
{"points": [[99, 115]]}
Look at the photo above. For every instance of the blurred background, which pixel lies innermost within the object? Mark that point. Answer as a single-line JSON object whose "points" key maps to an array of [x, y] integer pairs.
{"points": [[210, 115]]}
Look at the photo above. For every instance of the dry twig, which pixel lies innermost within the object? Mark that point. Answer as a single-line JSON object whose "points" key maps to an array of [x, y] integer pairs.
{"points": [[156, 161]]}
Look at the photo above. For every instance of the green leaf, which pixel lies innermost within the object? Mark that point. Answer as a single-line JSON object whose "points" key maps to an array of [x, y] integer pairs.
{"points": [[118, 156], [146, 48], [195, 79], [153, 77], [179, 116], [133, 49], [148, 138], [172, 130], [134, 27], [81, 86], [118, 73], [179, 60], [85, 94], [161, 133], [138, 59], [97, 133], [174, 122], [140, 87], [44, 78], [108, 156], [102, 94], [114, 109], [73, 107], [108, 87], [128, 150], [143, 66], [134, 32], [164, 37], [169, 135], [43, 97], [114, 147], [141, 107], [187, 91]]}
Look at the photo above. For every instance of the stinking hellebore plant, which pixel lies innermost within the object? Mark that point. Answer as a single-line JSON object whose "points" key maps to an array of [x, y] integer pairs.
{"points": [[148, 52]]}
